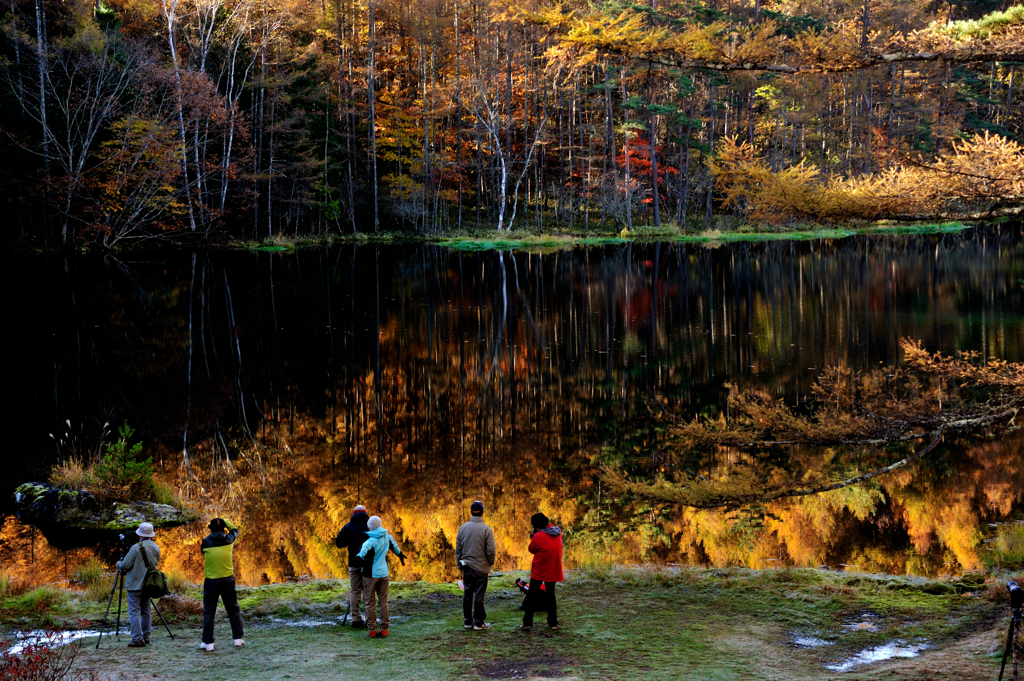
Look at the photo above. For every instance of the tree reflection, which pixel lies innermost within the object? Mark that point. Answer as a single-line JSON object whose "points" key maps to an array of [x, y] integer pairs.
{"points": [[415, 380]]}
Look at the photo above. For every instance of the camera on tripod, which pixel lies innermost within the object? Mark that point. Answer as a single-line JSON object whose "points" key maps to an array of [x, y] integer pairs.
{"points": [[1016, 595]]}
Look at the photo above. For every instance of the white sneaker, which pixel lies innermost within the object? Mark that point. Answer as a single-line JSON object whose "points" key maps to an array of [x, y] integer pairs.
{"points": [[208, 647], [479, 627], [239, 642]]}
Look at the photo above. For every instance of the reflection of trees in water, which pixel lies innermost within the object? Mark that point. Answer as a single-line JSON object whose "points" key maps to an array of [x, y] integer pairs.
{"points": [[442, 376]]}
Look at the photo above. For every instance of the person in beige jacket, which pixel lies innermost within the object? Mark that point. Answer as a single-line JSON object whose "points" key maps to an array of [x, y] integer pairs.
{"points": [[134, 568], [474, 555]]}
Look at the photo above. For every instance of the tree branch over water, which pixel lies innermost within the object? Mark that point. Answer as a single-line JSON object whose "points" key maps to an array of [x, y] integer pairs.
{"points": [[929, 396]]}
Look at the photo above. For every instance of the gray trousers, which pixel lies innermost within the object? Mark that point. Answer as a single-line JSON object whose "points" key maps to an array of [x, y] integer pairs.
{"points": [[355, 580], [140, 616]]}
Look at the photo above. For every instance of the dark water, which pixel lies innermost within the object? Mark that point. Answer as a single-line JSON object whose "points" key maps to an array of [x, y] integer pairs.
{"points": [[282, 388]]}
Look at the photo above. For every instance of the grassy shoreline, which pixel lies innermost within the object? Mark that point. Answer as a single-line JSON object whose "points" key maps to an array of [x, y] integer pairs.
{"points": [[660, 623], [528, 240]]}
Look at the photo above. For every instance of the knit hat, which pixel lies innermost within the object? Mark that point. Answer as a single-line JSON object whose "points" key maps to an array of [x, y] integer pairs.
{"points": [[145, 530], [373, 523], [539, 521], [358, 508], [476, 508]]}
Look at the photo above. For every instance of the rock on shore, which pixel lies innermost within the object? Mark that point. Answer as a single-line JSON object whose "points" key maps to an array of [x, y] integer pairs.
{"points": [[71, 518]]}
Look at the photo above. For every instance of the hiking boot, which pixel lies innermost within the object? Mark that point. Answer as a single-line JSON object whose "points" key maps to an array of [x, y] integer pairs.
{"points": [[480, 627], [383, 633], [137, 644], [146, 640], [358, 624], [208, 647], [467, 626], [239, 642], [525, 627], [553, 627], [373, 633]]}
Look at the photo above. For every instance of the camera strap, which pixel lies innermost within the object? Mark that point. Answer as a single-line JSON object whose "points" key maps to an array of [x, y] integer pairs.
{"points": [[145, 558]]}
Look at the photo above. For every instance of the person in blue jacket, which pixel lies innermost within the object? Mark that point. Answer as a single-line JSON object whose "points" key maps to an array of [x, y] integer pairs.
{"points": [[375, 573]]}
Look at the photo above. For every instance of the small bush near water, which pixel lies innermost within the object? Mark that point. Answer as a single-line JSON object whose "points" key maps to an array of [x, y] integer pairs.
{"points": [[47, 659]]}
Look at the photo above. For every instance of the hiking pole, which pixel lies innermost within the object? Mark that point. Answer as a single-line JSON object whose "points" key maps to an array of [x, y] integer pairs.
{"points": [[348, 609], [152, 602], [118, 578]]}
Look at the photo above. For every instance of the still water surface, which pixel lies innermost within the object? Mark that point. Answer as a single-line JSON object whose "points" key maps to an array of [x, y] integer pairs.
{"points": [[281, 389]]}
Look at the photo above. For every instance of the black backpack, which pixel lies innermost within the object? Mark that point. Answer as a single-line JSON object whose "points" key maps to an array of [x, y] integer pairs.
{"points": [[154, 585]]}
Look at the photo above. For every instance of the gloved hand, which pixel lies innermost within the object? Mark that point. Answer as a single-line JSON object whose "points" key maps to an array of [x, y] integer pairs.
{"points": [[401, 558]]}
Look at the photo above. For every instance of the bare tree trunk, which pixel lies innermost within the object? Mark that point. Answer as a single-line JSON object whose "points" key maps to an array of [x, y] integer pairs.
{"points": [[373, 120], [170, 8]]}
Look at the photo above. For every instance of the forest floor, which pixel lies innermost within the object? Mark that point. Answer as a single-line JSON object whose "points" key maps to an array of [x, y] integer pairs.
{"points": [[532, 240], [615, 624]]}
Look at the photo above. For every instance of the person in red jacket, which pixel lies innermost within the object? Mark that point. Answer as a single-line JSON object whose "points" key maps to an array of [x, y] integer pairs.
{"points": [[546, 547]]}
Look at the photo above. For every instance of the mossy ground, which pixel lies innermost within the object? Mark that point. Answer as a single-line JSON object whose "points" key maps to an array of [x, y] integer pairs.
{"points": [[616, 624]]}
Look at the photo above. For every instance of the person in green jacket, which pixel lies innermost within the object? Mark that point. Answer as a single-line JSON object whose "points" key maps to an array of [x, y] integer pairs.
{"points": [[375, 573], [220, 581], [133, 565]]}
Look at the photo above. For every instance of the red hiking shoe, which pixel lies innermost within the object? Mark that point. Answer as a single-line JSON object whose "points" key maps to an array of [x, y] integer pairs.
{"points": [[384, 633], [373, 633]]}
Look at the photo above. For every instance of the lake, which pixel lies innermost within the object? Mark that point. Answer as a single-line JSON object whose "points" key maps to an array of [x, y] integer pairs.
{"points": [[279, 389]]}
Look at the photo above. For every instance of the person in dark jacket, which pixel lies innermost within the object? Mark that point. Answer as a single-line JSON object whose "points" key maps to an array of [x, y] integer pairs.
{"points": [[546, 547], [218, 547], [352, 537]]}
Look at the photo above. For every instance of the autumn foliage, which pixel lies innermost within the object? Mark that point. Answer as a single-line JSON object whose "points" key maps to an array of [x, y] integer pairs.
{"points": [[981, 174]]}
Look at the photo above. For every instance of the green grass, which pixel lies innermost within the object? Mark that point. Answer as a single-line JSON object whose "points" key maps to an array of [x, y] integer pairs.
{"points": [[617, 623], [1006, 549], [542, 242]]}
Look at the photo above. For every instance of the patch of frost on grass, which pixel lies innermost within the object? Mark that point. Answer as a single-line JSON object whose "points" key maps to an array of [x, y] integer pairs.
{"points": [[50, 639], [880, 653], [810, 642]]}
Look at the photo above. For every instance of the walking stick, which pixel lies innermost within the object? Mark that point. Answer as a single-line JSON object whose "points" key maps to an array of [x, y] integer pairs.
{"points": [[348, 609], [153, 602], [118, 578]]}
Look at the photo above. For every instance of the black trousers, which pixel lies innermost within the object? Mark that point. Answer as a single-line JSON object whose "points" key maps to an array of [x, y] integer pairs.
{"points": [[473, 611], [533, 600], [223, 588]]}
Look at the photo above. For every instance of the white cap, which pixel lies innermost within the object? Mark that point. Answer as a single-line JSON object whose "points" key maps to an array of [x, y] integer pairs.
{"points": [[145, 530], [373, 523], [358, 508]]}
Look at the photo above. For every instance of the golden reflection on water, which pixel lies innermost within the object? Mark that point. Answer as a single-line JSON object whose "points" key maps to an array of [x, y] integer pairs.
{"points": [[414, 380], [928, 519]]}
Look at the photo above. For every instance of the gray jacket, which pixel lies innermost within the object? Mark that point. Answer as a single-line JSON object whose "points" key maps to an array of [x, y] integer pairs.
{"points": [[135, 567], [475, 544]]}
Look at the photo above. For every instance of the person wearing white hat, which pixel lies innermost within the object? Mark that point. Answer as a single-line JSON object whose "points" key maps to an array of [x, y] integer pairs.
{"points": [[134, 568]]}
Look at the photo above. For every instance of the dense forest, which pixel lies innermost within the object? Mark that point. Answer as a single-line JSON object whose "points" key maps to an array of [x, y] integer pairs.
{"points": [[181, 119]]}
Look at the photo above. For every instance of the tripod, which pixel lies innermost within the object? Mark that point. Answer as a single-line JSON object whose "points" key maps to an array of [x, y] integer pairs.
{"points": [[119, 581], [1016, 617]]}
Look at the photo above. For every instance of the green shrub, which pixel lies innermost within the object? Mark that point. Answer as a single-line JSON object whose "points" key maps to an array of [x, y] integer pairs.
{"points": [[164, 493], [121, 475], [94, 578], [1008, 548]]}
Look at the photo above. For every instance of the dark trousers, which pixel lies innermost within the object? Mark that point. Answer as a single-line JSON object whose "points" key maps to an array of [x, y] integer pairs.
{"points": [[533, 601], [223, 588], [473, 611]]}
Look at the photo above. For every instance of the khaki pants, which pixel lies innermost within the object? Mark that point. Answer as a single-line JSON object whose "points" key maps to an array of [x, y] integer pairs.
{"points": [[371, 589], [355, 579]]}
